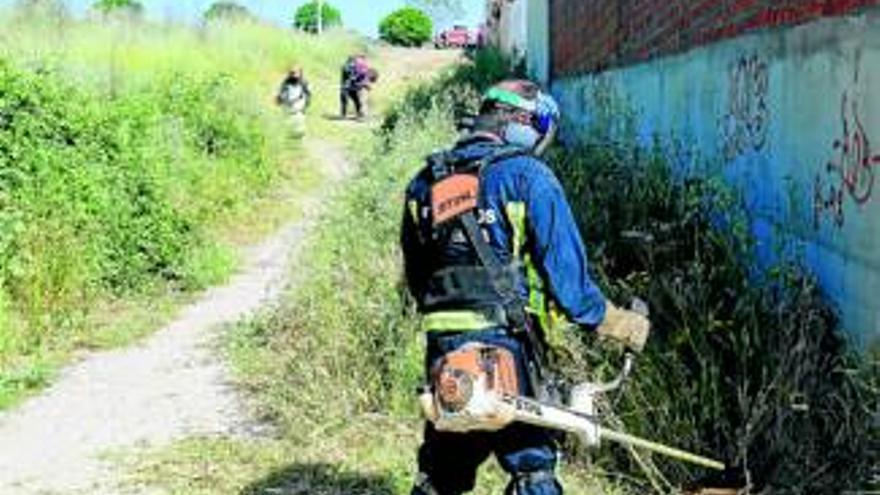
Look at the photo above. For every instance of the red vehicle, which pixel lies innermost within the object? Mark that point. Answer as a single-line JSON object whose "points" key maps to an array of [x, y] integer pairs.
{"points": [[455, 37]]}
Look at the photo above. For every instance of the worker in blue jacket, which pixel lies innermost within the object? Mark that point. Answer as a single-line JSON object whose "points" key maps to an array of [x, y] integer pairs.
{"points": [[492, 252]]}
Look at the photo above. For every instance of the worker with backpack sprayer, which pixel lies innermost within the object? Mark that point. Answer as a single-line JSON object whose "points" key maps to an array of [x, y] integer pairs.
{"points": [[495, 262]]}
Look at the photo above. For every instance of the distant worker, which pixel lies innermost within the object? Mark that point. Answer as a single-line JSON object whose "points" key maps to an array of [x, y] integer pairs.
{"points": [[294, 94], [357, 76]]}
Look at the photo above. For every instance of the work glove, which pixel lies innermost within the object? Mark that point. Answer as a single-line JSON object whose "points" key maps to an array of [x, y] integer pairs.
{"points": [[627, 327]]}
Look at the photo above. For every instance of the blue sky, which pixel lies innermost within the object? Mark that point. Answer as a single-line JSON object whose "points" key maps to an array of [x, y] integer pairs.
{"points": [[362, 15]]}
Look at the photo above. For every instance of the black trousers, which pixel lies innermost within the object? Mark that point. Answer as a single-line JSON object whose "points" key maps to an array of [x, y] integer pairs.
{"points": [[355, 96]]}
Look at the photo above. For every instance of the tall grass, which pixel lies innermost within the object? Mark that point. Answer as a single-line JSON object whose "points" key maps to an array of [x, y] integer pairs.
{"points": [[124, 146], [103, 52], [745, 365]]}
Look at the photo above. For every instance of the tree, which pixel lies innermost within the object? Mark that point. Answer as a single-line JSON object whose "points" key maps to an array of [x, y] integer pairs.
{"points": [[442, 12], [226, 10], [306, 17], [128, 6], [407, 26]]}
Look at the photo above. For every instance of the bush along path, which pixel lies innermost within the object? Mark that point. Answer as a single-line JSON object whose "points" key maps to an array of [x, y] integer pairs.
{"points": [[171, 386]]}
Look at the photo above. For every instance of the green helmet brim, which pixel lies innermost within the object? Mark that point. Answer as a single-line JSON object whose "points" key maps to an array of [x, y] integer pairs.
{"points": [[510, 98]]}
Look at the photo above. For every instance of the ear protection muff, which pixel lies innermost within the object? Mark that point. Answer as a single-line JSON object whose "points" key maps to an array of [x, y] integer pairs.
{"points": [[546, 140], [542, 123], [545, 121], [546, 112]]}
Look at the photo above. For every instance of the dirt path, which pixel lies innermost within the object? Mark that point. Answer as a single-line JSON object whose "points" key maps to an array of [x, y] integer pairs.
{"points": [[169, 387]]}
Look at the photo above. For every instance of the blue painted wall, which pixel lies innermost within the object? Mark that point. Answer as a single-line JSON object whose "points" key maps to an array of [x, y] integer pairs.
{"points": [[791, 117]]}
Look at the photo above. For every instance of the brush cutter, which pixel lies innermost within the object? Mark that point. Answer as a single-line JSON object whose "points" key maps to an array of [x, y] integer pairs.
{"points": [[476, 389]]}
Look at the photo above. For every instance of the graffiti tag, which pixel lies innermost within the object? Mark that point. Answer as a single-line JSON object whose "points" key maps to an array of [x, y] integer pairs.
{"points": [[827, 200], [744, 126], [855, 162], [851, 172]]}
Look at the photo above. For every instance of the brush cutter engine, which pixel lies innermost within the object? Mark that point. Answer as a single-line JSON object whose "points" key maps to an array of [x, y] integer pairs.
{"points": [[468, 389], [476, 388]]}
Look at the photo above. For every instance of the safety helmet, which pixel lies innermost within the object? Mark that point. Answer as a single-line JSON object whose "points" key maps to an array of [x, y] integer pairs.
{"points": [[525, 96]]}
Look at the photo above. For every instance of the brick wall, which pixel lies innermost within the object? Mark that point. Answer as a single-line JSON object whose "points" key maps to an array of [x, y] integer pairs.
{"points": [[592, 35]]}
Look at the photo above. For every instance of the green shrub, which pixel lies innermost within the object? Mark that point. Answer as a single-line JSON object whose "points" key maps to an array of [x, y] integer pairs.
{"points": [[407, 27], [99, 197], [746, 363], [466, 81], [306, 17]]}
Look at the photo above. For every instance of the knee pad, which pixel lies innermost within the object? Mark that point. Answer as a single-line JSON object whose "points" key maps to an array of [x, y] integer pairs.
{"points": [[534, 483]]}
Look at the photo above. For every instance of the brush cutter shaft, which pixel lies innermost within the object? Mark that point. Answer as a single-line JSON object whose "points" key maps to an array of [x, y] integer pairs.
{"points": [[672, 452], [535, 413]]}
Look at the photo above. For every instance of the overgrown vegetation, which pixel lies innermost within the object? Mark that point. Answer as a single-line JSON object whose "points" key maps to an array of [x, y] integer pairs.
{"points": [[744, 364], [458, 90], [125, 148], [747, 362]]}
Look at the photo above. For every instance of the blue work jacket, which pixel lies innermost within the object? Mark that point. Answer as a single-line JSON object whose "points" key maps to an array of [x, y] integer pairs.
{"points": [[523, 211]]}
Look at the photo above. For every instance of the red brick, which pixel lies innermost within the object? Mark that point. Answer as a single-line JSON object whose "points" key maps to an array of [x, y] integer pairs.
{"points": [[590, 35]]}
